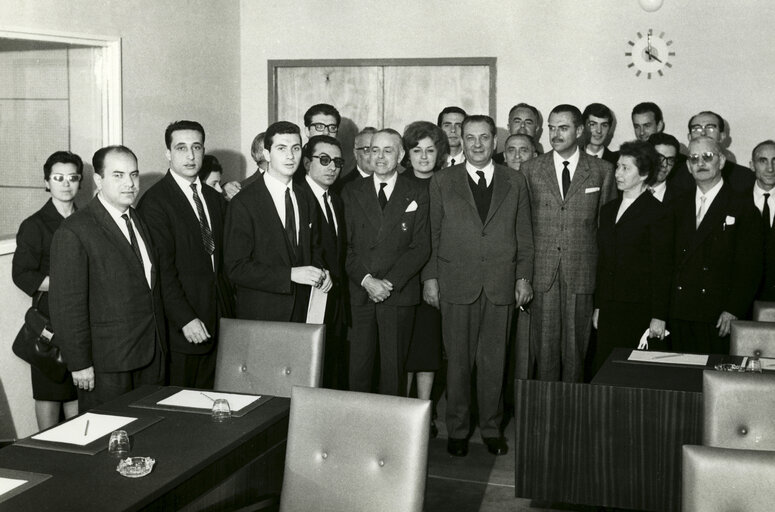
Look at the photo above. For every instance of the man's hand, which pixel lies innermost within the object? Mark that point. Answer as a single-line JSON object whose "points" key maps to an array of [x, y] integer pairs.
{"points": [[724, 323], [195, 331], [84, 379], [430, 292], [327, 283], [378, 289], [523, 292], [230, 189], [595, 316], [308, 275]]}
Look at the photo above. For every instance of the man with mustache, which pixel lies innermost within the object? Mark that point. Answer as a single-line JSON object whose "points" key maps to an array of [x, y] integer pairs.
{"points": [[567, 189]]}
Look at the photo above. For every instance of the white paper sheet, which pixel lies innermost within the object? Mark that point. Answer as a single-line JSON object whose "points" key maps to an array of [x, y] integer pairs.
{"points": [[75, 431], [316, 309], [205, 399], [9, 484], [648, 356]]}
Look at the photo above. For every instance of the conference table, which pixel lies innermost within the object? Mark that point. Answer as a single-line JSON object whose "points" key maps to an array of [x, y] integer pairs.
{"points": [[615, 442], [200, 464]]}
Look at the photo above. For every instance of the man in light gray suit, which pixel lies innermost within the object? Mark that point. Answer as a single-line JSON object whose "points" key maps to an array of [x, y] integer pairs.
{"points": [[567, 189], [481, 265]]}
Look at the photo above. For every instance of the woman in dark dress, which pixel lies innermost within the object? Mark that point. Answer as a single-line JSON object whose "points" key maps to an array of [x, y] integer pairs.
{"points": [[635, 242], [426, 148], [62, 174]]}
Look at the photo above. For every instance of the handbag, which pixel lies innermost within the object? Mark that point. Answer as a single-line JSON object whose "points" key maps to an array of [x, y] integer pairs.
{"points": [[34, 344]]}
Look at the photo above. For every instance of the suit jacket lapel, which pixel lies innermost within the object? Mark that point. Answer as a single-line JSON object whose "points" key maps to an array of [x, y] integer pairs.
{"points": [[462, 188], [395, 208], [268, 214], [114, 234], [500, 189], [714, 217], [579, 177], [367, 197], [146, 240], [633, 212], [550, 175]]}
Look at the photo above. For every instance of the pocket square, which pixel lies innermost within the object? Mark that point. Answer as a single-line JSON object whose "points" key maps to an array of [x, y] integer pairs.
{"points": [[412, 207], [591, 190], [730, 221]]}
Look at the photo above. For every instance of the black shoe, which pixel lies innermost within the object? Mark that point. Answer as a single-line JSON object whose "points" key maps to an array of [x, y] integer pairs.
{"points": [[496, 445], [434, 430], [457, 447]]}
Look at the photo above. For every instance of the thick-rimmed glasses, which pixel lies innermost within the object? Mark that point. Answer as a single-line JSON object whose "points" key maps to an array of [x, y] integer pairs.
{"points": [[325, 160], [708, 128], [321, 127], [666, 160]]}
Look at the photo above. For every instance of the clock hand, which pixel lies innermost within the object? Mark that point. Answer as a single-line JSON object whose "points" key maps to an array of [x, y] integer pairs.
{"points": [[654, 57]]}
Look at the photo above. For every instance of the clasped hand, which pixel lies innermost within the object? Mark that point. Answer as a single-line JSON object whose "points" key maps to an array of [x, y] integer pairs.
{"points": [[378, 289]]}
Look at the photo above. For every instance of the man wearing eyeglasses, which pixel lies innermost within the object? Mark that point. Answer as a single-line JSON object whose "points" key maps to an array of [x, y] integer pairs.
{"points": [[709, 124], [362, 152], [667, 188], [524, 119], [763, 193], [718, 255], [322, 119], [322, 158]]}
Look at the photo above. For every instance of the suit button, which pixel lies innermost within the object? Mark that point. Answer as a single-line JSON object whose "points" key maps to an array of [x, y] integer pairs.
{"points": [[705, 269], [562, 208], [679, 288], [702, 291], [559, 248], [243, 368]]}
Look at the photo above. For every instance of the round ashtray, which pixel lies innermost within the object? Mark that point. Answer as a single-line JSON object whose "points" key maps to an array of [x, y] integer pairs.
{"points": [[135, 467], [729, 367]]}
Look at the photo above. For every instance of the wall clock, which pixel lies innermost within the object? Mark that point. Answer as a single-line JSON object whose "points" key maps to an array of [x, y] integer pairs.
{"points": [[649, 54]]}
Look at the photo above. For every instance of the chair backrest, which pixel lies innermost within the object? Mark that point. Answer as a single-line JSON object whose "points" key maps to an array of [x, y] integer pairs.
{"points": [[351, 452], [738, 410], [268, 358], [722, 479], [752, 339], [764, 311]]}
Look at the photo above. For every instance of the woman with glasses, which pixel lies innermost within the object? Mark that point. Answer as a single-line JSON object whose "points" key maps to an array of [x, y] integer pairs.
{"points": [[426, 150], [634, 267], [62, 174]]}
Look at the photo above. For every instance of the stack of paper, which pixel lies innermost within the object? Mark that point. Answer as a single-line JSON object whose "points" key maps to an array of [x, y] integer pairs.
{"points": [[647, 356], [84, 429]]}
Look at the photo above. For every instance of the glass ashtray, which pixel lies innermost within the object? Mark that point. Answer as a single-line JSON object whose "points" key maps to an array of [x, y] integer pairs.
{"points": [[729, 367], [135, 467]]}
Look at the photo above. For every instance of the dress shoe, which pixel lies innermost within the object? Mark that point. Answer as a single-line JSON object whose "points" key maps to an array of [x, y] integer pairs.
{"points": [[457, 447], [434, 430], [496, 445]]}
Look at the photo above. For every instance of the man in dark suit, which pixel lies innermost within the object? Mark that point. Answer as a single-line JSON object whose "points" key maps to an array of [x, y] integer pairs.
{"points": [[388, 243], [105, 296], [323, 162], [598, 121], [232, 188], [667, 187], [450, 120], [567, 189], [186, 220], [362, 152], [270, 255], [647, 120], [524, 119], [763, 163], [718, 256], [481, 266]]}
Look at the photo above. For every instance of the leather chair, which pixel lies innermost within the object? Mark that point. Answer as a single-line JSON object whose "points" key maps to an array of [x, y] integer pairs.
{"points": [[722, 479], [749, 338], [351, 452], [764, 311], [738, 410], [268, 358]]}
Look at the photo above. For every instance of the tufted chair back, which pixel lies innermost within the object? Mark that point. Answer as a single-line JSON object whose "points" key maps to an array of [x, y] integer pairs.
{"points": [[726, 480], [764, 311], [752, 339], [268, 358], [353, 452], [738, 410]]}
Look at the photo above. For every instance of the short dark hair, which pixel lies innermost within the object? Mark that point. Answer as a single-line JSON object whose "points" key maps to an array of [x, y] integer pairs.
{"points": [[647, 107], [62, 157], [569, 109], [210, 164], [280, 128], [182, 125], [98, 160], [450, 110], [525, 105], [664, 139], [309, 147], [722, 126], [478, 118], [419, 130], [597, 110], [321, 108], [523, 136], [646, 158], [257, 141], [768, 142]]}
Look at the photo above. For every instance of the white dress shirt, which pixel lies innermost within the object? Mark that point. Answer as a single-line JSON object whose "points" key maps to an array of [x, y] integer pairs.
{"points": [[391, 184], [277, 191], [573, 162], [361, 172], [488, 171], [185, 186], [318, 192], [598, 154], [710, 195], [459, 158], [659, 190], [758, 199], [121, 223]]}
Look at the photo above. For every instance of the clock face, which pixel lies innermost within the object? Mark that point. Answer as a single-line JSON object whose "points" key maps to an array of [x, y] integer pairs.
{"points": [[649, 54]]}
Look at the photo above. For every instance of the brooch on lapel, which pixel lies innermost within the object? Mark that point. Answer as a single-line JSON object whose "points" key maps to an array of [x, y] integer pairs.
{"points": [[729, 221], [404, 226]]}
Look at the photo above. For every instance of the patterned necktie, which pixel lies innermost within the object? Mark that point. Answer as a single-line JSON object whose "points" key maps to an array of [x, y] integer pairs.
{"points": [[204, 226], [452, 162], [701, 210], [766, 211], [132, 237], [329, 214], [381, 195], [290, 219], [565, 178], [482, 183]]}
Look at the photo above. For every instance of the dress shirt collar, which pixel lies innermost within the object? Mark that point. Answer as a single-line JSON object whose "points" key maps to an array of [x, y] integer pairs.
{"points": [[185, 185], [361, 172], [391, 183], [317, 190], [113, 211], [488, 171], [710, 195], [573, 161], [276, 186], [598, 154], [659, 190], [459, 158], [758, 199]]}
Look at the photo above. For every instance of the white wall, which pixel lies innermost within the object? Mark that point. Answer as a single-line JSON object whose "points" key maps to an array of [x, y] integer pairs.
{"points": [[563, 51]]}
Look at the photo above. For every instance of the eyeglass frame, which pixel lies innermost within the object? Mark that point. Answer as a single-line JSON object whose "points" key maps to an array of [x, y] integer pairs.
{"points": [[319, 127], [708, 128], [707, 157], [338, 161], [670, 160]]}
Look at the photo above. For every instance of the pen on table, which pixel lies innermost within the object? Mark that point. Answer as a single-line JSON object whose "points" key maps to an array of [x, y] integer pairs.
{"points": [[666, 356], [209, 398], [86, 430]]}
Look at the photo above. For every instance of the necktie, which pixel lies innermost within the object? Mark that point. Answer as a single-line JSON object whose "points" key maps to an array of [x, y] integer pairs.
{"points": [[290, 219], [132, 237], [452, 162], [766, 212], [701, 210], [329, 214], [204, 227], [381, 195], [565, 178], [482, 183]]}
